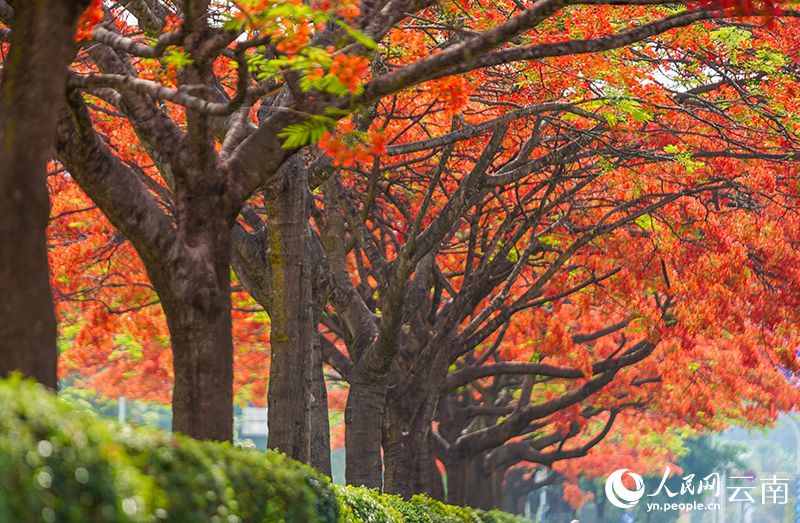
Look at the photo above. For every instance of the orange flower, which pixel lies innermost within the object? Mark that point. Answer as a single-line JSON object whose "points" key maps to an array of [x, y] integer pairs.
{"points": [[90, 18], [349, 70]]}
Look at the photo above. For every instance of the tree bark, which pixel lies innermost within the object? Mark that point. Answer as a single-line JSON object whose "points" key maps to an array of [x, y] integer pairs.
{"points": [[320, 423], [199, 319], [498, 487], [254, 261], [458, 481], [363, 417], [468, 483], [202, 397], [31, 93], [410, 467], [292, 329], [409, 463]]}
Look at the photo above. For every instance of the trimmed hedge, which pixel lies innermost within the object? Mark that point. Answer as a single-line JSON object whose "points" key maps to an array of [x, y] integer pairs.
{"points": [[61, 464], [362, 505]]}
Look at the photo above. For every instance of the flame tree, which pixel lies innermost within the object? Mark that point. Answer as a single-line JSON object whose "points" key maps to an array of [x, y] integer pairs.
{"points": [[179, 113]]}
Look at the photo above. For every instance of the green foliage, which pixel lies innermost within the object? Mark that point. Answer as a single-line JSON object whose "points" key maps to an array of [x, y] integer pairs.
{"points": [[327, 84], [177, 58], [362, 505], [311, 63], [305, 61], [308, 132], [634, 110], [359, 504], [646, 222], [259, 18], [59, 463], [684, 158], [496, 516], [621, 107], [731, 37], [769, 61]]}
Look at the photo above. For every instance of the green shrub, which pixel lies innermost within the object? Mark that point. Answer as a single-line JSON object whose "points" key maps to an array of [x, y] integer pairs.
{"points": [[359, 504], [56, 465], [496, 516], [62, 464], [362, 505]]}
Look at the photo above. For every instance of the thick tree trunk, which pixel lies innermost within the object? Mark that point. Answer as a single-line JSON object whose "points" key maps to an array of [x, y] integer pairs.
{"points": [[600, 503], [481, 495], [435, 480], [363, 417], [410, 466], [31, 93], [402, 461], [202, 397], [533, 505], [198, 309], [254, 260], [408, 460], [518, 507], [189, 267], [292, 328], [560, 511]]}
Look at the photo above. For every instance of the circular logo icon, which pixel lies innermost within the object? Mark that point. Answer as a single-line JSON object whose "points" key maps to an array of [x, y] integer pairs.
{"points": [[618, 494]]}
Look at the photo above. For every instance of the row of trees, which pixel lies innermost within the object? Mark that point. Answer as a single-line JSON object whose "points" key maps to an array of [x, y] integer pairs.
{"points": [[508, 230]]}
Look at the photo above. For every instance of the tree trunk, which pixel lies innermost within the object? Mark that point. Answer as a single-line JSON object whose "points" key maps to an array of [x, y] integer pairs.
{"points": [[410, 466], [519, 504], [481, 495], [498, 486], [401, 457], [320, 423], [468, 483], [408, 460], [533, 505], [435, 479], [458, 481], [189, 267], [31, 93], [363, 417], [560, 511], [514, 492], [198, 314], [260, 261], [292, 329]]}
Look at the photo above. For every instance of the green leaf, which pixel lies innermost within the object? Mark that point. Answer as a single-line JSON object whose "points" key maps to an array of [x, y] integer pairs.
{"points": [[770, 61], [357, 35], [328, 84], [611, 118], [731, 37], [671, 149], [646, 222], [177, 57], [336, 112], [304, 133], [634, 110]]}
